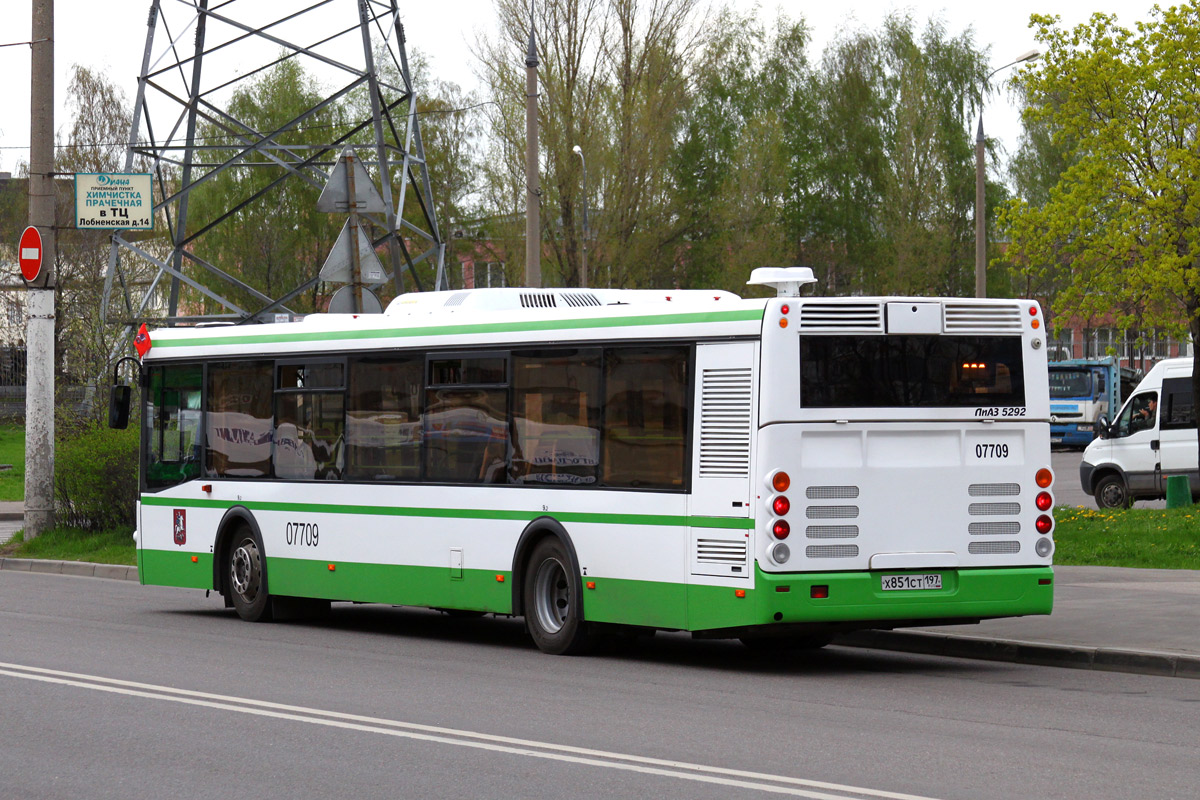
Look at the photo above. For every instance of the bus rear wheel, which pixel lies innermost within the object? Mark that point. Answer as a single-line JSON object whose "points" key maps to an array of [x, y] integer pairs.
{"points": [[553, 608], [247, 571]]}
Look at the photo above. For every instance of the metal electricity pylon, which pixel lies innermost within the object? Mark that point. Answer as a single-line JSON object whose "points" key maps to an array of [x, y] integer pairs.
{"points": [[201, 53]]}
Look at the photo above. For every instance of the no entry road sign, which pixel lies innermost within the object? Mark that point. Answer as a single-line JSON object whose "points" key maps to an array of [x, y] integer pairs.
{"points": [[29, 253]]}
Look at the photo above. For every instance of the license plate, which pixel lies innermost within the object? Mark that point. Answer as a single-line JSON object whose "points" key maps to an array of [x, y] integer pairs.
{"points": [[1056, 439], [909, 582]]}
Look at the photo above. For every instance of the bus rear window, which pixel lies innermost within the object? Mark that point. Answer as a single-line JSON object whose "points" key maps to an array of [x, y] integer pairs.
{"points": [[911, 371]]}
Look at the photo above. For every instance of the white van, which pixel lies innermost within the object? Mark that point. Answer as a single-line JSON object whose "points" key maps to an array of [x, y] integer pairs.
{"points": [[1153, 438]]}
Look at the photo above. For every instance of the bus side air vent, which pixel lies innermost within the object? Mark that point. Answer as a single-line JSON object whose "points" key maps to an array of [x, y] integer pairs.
{"points": [[831, 492], [725, 406], [580, 299], [991, 509], [831, 531], [721, 551], [982, 318], [993, 548], [866, 317], [537, 300]]}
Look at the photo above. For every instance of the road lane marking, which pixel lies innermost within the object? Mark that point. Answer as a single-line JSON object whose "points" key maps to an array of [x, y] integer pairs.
{"points": [[760, 781]]}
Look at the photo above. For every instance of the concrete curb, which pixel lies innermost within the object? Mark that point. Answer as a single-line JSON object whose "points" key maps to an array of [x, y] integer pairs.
{"points": [[1108, 659], [81, 569]]}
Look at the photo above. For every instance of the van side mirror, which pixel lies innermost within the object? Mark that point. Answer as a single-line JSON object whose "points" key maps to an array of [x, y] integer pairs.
{"points": [[1102, 427], [118, 407]]}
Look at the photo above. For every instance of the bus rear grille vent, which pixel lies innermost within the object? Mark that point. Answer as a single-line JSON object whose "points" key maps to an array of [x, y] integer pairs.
{"points": [[993, 509], [721, 551], [993, 489], [831, 512], [725, 406], [831, 492], [539, 300], [831, 551], [842, 317], [982, 318], [831, 531], [457, 298], [993, 548], [580, 299], [994, 528]]}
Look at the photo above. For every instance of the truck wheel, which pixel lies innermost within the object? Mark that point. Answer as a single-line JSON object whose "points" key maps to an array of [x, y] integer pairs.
{"points": [[1111, 492]]}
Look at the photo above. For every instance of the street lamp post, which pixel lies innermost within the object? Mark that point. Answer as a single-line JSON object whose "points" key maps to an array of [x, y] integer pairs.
{"points": [[583, 272], [980, 175]]}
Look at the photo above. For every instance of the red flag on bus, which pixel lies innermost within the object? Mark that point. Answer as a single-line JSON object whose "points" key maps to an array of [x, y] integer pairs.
{"points": [[141, 342]]}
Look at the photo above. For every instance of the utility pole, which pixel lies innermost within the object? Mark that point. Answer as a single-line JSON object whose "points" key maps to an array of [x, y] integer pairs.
{"points": [[533, 234], [39, 302]]}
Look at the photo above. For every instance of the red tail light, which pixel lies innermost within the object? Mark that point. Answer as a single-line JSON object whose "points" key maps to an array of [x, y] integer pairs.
{"points": [[781, 529], [781, 505], [1043, 524], [1043, 501]]}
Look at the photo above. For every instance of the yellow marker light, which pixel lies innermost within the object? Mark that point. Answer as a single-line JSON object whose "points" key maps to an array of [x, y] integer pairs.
{"points": [[739, 592], [332, 567], [499, 579], [783, 322], [591, 584], [195, 559]]}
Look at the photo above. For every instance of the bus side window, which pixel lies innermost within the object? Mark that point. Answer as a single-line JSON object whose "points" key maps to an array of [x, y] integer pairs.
{"points": [[645, 418], [239, 423]]}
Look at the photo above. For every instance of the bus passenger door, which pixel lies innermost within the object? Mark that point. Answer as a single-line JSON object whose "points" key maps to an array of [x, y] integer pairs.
{"points": [[724, 420]]}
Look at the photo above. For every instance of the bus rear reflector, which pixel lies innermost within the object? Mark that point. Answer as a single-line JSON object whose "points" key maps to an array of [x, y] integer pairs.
{"points": [[818, 592]]}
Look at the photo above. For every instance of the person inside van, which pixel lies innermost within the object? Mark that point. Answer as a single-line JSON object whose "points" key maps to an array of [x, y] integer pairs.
{"points": [[1145, 412]]}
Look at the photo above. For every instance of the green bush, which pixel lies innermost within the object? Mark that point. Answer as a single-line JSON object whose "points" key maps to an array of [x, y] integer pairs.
{"points": [[96, 477]]}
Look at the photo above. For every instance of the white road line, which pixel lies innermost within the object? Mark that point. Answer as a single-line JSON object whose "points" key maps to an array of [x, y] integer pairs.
{"points": [[683, 770]]}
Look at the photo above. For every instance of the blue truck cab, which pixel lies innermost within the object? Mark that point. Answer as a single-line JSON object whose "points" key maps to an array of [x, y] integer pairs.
{"points": [[1081, 391]]}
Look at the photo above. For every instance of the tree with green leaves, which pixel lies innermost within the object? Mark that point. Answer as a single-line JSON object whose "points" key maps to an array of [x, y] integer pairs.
{"points": [[1123, 220]]}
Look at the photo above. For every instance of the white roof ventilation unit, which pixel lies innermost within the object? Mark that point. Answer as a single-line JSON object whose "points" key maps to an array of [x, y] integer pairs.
{"points": [[786, 280]]}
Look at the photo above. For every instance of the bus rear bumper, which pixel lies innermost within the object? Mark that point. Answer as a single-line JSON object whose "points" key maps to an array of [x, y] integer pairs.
{"points": [[849, 600]]}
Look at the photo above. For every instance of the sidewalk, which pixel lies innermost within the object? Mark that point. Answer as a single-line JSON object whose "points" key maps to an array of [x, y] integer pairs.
{"points": [[1105, 618]]}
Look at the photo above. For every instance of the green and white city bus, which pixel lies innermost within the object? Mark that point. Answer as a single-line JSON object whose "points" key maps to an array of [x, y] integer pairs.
{"points": [[770, 469]]}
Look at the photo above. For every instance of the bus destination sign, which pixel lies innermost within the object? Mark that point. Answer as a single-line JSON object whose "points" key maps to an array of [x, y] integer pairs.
{"points": [[113, 201]]}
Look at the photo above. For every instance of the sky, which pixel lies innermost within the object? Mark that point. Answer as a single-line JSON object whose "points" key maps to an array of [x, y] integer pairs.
{"points": [[110, 36]]}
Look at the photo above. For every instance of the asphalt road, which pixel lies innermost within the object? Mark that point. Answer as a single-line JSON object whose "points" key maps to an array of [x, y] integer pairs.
{"points": [[113, 690]]}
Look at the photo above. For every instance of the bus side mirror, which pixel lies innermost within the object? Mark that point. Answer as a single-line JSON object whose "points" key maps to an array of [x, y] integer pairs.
{"points": [[1102, 427], [118, 407]]}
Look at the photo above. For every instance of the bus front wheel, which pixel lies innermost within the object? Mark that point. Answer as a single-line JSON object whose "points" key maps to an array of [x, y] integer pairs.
{"points": [[553, 608], [1111, 492], [248, 576]]}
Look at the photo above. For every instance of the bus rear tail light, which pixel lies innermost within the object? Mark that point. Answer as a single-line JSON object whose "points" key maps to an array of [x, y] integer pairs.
{"points": [[781, 529], [1044, 524], [780, 481], [818, 592], [1044, 478], [1043, 501], [781, 505], [780, 553]]}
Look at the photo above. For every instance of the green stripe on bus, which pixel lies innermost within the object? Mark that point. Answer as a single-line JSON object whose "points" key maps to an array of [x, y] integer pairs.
{"points": [[175, 568], [455, 513], [487, 327]]}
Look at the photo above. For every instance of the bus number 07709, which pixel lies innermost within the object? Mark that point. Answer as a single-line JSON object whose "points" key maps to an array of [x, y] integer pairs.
{"points": [[303, 533], [991, 451]]}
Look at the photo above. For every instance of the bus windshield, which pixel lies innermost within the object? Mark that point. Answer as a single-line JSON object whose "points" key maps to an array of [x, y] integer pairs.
{"points": [[1066, 383]]}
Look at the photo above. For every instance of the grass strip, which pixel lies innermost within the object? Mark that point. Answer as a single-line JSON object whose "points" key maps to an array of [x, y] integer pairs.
{"points": [[1147, 538], [70, 544], [12, 452]]}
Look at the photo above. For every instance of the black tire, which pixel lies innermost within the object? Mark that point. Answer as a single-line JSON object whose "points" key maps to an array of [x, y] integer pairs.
{"points": [[553, 607], [247, 572], [782, 645], [1111, 492]]}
